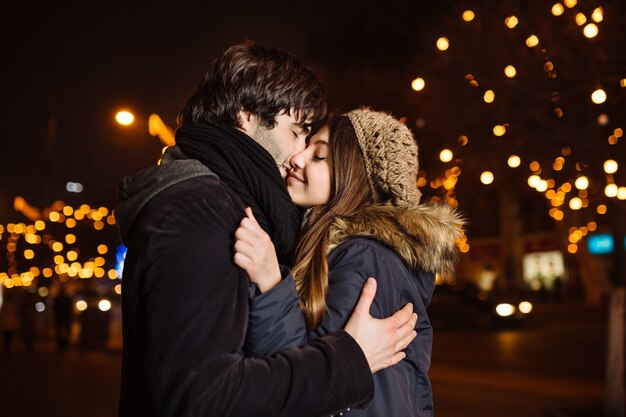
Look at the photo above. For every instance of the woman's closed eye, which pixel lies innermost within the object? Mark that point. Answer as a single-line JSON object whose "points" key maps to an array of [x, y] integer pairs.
{"points": [[318, 158]]}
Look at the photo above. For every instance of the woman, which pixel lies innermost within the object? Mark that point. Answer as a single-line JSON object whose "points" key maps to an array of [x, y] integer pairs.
{"points": [[365, 221]]}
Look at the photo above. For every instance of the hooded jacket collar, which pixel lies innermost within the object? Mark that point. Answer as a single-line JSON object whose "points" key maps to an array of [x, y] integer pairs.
{"points": [[424, 236], [138, 189]]}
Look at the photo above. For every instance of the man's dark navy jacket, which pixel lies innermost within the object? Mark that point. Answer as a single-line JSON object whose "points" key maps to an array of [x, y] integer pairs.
{"points": [[185, 313]]}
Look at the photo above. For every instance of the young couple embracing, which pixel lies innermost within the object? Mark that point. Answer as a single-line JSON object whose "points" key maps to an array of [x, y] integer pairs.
{"points": [[279, 263]]}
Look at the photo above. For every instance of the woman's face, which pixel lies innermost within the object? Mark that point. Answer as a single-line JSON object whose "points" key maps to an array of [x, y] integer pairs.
{"points": [[309, 182]]}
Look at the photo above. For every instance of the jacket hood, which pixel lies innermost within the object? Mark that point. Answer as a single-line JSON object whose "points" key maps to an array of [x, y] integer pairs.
{"points": [[424, 236], [137, 190]]}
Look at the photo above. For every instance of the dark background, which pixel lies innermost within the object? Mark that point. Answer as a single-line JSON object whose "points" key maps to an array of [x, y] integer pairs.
{"points": [[77, 64]]}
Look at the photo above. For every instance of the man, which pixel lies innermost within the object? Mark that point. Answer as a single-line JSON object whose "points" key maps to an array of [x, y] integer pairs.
{"points": [[186, 304]]}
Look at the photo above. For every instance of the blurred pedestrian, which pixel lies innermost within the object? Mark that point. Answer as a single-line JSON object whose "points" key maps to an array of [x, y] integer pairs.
{"points": [[28, 317], [9, 319], [62, 318]]}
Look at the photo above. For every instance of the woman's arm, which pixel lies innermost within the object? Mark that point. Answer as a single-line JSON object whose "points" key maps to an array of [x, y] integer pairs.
{"points": [[349, 266], [276, 321], [270, 327]]}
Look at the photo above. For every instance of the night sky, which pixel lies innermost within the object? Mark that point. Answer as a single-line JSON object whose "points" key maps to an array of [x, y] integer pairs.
{"points": [[77, 65]]}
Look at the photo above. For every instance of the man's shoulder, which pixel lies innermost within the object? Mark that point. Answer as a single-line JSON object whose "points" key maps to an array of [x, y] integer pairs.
{"points": [[196, 196]]}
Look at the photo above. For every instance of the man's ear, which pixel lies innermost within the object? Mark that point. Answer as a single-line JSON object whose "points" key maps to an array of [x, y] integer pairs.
{"points": [[248, 122]]}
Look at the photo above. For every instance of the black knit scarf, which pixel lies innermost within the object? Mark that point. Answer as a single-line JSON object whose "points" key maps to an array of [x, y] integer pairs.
{"points": [[247, 168]]}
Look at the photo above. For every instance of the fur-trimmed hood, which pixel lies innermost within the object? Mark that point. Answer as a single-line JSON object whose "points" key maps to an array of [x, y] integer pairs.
{"points": [[423, 236]]}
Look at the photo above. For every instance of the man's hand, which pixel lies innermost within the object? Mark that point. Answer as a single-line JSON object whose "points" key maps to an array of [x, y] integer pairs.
{"points": [[255, 253], [382, 340]]}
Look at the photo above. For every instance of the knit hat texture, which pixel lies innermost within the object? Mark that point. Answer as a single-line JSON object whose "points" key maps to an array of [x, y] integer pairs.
{"points": [[390, 154]]}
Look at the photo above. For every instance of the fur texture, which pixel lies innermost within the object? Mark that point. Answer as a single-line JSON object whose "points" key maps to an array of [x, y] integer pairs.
{"points": [[423, 236]]}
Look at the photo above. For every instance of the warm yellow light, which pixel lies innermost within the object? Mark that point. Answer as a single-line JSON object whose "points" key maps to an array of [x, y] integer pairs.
{"points": [[510, 71], [112, 273], [598, 14], [534, 166], [118, 289], [582, 183], [418, 84], [70, 239], [534, 180], [525, 307], [489, 96], [499, 130], [47, 272], [542, 186], [111, 219], [598, 96], [103, 211], [40, 225], [54, 216], [446, 155], [486, 177], [98, 272], [572, 248], [601, 209], [621, 193], [590, 31], [59, 259], [618, 132], [57, 246], [511, 22], [514, 161], [575, 203], [68, 211], [610, 190], [72, 255], [81, 305], [570, 3], [505, 310], [443, 44], [468, 15], [99, 261], [603, 119], [104, 305], [580, 19], [125, 118], [102, 249], [558, 9], [29, 254], [70, 223], [622, 82], [610, 166], [98, 225], [532, 41]]}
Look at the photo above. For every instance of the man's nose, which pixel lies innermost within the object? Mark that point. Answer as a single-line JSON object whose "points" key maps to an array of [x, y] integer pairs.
{"points": [[297, 159]]}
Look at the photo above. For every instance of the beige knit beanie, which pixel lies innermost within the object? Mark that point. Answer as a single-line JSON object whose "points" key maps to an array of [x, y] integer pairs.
{"points": [[390, 154]]}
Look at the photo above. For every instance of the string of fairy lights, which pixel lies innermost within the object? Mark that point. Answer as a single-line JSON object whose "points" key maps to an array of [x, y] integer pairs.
{"points": [[573, 192], [56, 253]]}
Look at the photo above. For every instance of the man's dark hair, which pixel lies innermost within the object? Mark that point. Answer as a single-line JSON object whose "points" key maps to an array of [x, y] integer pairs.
{"points": [[261, 80]]}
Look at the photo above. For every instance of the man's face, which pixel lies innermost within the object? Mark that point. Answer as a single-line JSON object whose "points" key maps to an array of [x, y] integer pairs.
{"points": [[283, 140]]}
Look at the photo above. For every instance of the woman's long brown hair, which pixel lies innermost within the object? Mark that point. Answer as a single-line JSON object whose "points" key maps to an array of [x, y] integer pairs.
{"points": [[350, 191]]}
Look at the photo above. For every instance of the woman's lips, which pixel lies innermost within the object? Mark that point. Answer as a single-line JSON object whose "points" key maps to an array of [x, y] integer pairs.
{"points": [[295, 177]]}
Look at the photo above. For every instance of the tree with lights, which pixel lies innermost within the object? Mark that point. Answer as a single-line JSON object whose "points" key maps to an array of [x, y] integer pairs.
{"points": [[532, 101]]}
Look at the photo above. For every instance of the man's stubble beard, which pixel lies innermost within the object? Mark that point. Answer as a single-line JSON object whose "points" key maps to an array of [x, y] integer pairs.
{"points": [[265, 138]]}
